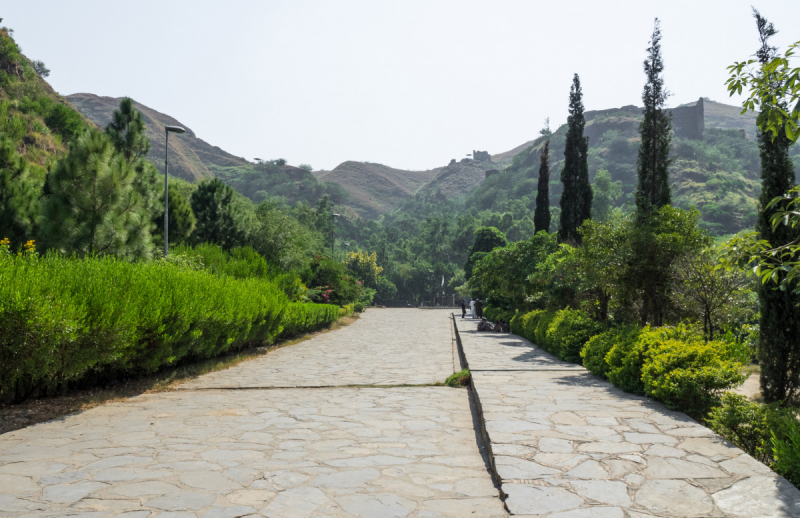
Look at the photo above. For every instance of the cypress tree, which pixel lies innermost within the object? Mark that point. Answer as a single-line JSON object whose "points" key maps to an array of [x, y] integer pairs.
{"points": [[219, 219], [653, 190], [92, 206], [779, 337], [541, 218], [19, 198], [576, 199], [651, 263]]}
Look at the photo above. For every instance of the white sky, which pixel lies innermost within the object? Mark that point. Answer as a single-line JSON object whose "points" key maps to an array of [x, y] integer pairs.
{"points": [[406, 83]]}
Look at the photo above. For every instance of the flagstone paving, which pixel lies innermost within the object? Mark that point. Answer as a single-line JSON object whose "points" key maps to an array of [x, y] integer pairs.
{"points": [[278, 453], [383, 347], [565, 443]]}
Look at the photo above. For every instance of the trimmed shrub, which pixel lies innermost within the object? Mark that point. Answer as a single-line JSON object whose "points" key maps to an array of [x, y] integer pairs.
{"points": [[689, 375], [300, 317], [597, 348], [516, 324], [529, 323], [626, 359], [493, 314], [542, 325], [569, 331]]}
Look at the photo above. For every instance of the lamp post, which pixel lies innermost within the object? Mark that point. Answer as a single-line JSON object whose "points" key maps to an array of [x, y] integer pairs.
{"points": [[167, 131], [333, 237]]}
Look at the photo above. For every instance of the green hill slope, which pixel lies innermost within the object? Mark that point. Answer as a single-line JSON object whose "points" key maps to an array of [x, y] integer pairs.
{"points": [[38, 120]]}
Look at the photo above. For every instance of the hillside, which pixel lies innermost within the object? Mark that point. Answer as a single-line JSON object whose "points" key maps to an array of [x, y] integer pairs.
{"points": [[715, 164], [375, 189], [190, 157]]}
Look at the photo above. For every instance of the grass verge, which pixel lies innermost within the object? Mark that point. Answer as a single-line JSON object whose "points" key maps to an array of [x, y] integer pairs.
{"points": [[14, 417]]}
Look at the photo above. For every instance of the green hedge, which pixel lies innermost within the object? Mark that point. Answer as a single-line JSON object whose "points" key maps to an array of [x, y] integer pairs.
{"points": [[61, 318], [568, 333], [300, 317], [597, 348]]}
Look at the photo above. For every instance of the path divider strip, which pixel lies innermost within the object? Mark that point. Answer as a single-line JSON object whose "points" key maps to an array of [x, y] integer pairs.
{"points": [[484, 434]]}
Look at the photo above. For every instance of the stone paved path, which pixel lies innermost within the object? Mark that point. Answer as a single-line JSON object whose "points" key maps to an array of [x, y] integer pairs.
{"points": [[279, 453], [567, 444], [383, 347]]}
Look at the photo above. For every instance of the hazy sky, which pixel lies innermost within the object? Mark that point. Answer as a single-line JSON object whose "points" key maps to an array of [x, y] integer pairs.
{"points": [[409, 84]]}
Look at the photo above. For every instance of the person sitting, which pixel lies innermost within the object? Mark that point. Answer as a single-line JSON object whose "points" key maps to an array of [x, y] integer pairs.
{"points": [[483, 325], [498, 326], [506, 327]]}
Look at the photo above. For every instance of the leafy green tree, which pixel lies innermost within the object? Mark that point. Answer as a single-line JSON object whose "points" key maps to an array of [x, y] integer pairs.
{"points": [[92, 206], [19, 197], [652, 191], [502, 274], [541, 218], [181, 218], [656, 243], [606, 193], [219, 219], [576, 199], [486, 240]]}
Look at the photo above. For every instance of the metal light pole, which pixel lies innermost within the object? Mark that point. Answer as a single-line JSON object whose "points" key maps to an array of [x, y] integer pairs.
{"points": [[333, 237], [167, 131]]}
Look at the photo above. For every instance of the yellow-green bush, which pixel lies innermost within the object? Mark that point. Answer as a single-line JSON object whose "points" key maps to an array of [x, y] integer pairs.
{"points": [[299, 317], [597, 348], [690, 374], [569, 331], [61, 317]]}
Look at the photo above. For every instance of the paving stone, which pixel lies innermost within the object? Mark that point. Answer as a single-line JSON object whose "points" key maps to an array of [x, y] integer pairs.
{"points": [[591, 512], [385, 505], [674, 498], [539, 500], [759, 496]]}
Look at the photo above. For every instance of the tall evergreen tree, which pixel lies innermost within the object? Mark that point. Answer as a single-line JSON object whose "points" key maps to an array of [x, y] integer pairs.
{"points": [[128, 133], [576, 199], [779, 336], [19, 197], [651, 262], [181, 219], [219, 219], [653, 189], [541, 218], [92, 206]]}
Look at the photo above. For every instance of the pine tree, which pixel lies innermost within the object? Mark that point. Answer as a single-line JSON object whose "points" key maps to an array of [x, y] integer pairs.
{"points": [[653, 189], [92, 206], [779, 337], [576, 199], [219, 218], [128, 133], [181, 219], [541, 218], [19, 197]]}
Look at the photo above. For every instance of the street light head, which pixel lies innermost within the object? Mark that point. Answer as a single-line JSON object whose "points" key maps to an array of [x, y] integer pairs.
{"points": [[174, 129]]}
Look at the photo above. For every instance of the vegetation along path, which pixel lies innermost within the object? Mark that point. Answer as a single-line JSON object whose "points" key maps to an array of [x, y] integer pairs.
{"points": [[565, 443], [236, 443]]}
